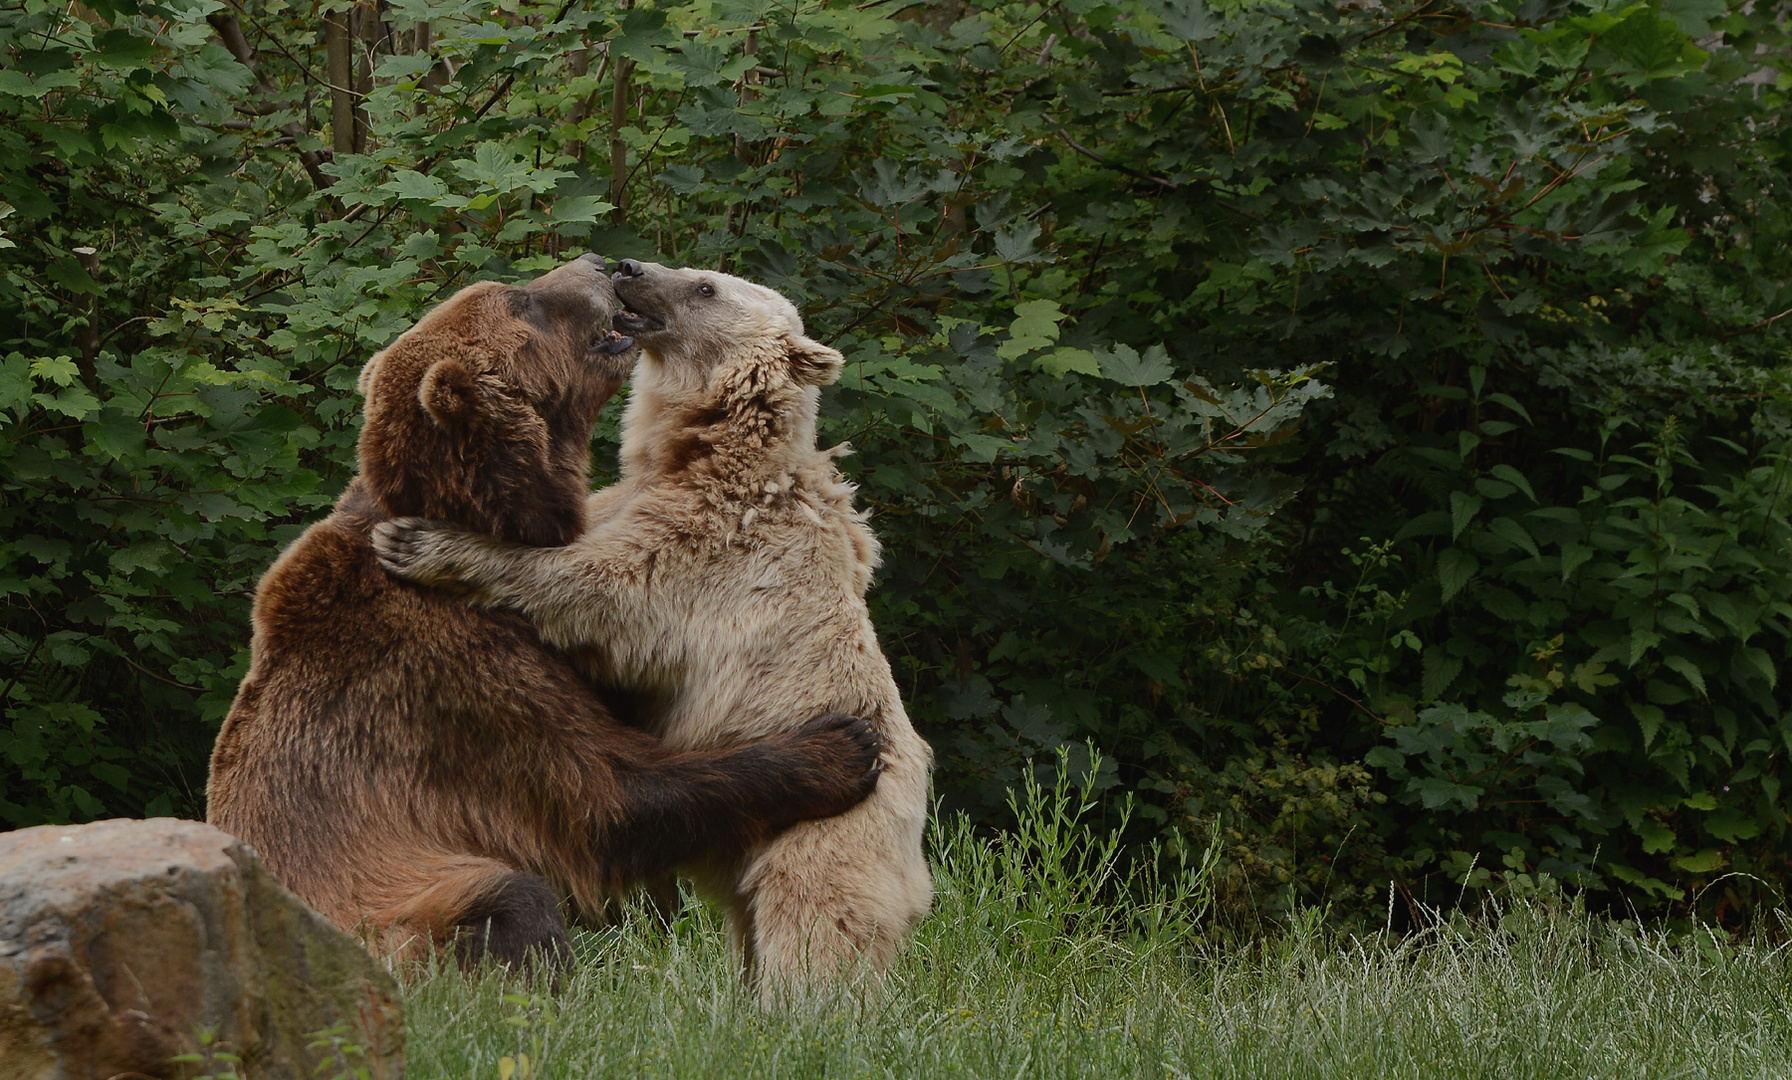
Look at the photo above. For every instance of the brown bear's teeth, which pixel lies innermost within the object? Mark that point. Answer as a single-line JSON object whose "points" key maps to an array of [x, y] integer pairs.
{"points": [[611, 343]]}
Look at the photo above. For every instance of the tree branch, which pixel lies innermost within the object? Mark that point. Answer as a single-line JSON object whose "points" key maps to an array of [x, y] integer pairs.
{"points": [[230, 32], [1762, 325]]}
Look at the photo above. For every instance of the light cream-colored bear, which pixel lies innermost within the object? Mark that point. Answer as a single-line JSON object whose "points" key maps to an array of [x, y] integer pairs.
{"points": [[724, 582]]}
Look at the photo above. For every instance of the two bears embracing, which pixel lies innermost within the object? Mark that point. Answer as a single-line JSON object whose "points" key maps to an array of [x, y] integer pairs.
{"points": [[418, 750]]}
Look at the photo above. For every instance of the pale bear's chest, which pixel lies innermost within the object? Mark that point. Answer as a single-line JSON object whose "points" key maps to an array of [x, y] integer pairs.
{"points": [[782, 548]]}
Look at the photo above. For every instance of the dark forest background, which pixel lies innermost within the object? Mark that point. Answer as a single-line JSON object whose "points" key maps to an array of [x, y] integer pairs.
{"points": [[1366, 424]]}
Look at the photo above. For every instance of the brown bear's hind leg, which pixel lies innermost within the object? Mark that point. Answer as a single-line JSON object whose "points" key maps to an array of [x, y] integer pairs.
{"points": [[477, 907], [517, 926]]}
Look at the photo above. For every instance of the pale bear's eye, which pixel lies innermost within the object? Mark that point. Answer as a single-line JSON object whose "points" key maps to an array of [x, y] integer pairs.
{"points": [[706, 290]]}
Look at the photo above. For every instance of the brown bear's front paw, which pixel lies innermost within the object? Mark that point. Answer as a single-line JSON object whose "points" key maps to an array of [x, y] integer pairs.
{"points": [[414, 549], [846, 753]]}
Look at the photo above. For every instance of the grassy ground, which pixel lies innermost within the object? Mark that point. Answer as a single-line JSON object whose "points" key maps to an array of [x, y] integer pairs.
{"points": [[1018, 974]]}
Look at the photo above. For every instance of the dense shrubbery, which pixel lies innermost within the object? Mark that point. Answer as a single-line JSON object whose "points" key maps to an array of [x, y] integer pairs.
{"points": [[1368, 425]]}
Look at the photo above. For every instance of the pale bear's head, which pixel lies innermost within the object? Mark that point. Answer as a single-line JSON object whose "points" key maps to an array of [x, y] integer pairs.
{"points": [[697, 325], [481, 414]]}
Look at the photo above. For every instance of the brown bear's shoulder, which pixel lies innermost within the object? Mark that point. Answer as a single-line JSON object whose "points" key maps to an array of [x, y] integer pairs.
{"points": [[324, 581]]}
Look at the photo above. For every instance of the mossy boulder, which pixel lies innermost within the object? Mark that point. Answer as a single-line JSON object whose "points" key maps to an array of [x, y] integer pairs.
{"points": [[127, 945]]}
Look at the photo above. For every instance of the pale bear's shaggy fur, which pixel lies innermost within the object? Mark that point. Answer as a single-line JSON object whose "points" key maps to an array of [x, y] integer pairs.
{"points": [[724, 580]]}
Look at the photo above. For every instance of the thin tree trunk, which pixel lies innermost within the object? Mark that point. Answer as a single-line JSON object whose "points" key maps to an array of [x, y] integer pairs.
{"points": [[87, 336], [619, 149], [439, 74], [578, 64], [743, 149], [369, 30], [339, 69]]}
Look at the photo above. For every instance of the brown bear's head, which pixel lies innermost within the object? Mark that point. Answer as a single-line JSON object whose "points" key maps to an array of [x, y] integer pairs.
{"points": [[481, 414]]}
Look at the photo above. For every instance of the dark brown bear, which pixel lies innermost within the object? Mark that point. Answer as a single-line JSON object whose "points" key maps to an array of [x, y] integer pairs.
{"points": [[427, 774]]}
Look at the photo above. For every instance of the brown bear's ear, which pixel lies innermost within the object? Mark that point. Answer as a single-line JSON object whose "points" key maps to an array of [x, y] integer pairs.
{"points": [[364, 385], [812, 363], [450, 393]]}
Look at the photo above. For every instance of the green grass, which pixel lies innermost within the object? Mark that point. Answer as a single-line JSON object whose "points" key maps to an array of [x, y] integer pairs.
{"points": [[1021, 972]]}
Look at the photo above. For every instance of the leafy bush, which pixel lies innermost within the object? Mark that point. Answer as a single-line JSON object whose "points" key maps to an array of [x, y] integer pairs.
{"points": [[1365, 423]]}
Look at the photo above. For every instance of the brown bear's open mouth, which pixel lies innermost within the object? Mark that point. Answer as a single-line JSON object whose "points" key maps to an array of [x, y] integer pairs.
{"points": [[611, 343], [632, 322]]}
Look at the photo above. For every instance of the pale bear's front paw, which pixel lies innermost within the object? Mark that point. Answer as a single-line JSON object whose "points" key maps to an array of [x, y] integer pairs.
{"points": [[421, 550]]}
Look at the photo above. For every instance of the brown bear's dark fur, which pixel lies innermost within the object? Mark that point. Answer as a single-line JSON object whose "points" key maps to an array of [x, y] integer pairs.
{"points": [[431, 774]]}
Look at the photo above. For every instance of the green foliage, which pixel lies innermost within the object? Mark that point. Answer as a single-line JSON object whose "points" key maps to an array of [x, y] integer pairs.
{"points": [[333, 1050], [1367, 425], [1534, 987], [213, 1061]]}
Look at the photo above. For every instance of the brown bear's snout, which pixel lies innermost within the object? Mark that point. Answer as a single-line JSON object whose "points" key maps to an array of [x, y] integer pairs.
{"points": [[577, 296]]}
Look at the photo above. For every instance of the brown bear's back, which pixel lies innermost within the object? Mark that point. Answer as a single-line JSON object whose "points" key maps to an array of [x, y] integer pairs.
{"points": [[369, 696]]}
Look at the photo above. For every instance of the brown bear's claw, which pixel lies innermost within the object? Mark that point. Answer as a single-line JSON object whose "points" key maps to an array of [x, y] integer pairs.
{"points": [[852, 745]]}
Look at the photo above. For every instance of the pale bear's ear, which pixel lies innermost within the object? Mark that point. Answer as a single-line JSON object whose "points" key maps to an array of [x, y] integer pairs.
{"points": [[364, 384], [812, 363], [450, 393]]}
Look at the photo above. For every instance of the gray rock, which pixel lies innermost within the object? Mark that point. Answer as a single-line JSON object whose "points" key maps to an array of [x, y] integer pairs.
{"points": [[124, 944]]}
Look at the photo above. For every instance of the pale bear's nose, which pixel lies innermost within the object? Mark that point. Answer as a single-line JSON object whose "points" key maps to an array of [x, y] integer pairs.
{"points": [[630, 268], [592, 257]]}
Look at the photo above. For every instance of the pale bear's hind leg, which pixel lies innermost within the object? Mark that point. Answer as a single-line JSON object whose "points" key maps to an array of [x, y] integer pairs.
{"points": [[830, 899]]}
